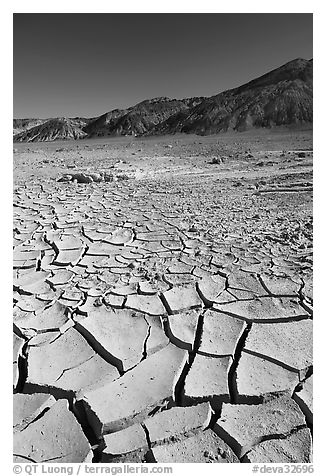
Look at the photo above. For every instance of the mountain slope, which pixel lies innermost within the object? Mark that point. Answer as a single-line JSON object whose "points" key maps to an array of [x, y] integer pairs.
{"points": [[21, 125], [138, 119], [53, 129], [283, 96]]}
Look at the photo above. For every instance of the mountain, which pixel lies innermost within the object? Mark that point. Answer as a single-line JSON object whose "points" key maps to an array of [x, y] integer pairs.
{"points": [[139, 119], [53, 129], [283, 96], [21, 125]]}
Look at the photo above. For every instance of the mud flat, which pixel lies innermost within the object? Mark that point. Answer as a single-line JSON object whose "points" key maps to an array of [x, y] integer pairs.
{"points": [[163, 307]]}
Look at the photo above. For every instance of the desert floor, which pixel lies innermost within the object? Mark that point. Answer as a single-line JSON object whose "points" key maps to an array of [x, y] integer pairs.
{"points": [[163, 310]]}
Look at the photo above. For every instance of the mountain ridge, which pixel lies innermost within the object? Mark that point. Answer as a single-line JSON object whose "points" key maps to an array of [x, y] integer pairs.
{"points": [[282, 96]]}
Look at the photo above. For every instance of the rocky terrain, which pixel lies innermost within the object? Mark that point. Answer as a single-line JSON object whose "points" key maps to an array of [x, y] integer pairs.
{"points": [[163, 300], [281, 97]]}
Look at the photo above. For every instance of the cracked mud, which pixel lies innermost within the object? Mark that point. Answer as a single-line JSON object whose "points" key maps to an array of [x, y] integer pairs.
{"points": [[164, 318]]}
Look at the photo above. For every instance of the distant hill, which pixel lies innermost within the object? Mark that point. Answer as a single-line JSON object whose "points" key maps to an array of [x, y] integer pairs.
{"points": [[21, 125], [53, 129], [283, 96]]}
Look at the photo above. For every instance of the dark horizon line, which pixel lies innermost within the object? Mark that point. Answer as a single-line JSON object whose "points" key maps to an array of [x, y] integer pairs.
{"points": [[165, 97]]}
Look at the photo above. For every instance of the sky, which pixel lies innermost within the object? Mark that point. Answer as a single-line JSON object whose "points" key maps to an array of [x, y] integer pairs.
{"points": [[88, 64]]}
